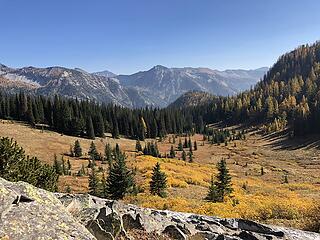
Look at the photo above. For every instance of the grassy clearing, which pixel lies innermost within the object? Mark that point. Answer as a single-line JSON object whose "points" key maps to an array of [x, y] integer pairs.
{"points": [[260, 197]]}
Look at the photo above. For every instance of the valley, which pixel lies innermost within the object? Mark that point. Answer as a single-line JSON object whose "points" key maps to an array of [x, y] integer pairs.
{"points": [[266, 198]]}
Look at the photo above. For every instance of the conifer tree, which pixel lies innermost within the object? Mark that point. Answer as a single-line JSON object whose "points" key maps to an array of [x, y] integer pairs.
{"points": [[221, 187], [93, 183], [93, 153], [120, 180], [172, 152], [180, 146], [158, 183], [57, 165], [89, 128], [184, 155], [108, 154], [77, 149], [138, 146], [190, 157]]}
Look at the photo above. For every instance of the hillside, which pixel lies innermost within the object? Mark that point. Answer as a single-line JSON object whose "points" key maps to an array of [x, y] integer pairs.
{"points": [[265, 198], [287, 96], [192, 99]]}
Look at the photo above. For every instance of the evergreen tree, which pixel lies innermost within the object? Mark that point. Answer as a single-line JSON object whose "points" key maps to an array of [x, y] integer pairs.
{"points": [[57, 165], [93, 183], [184, 155], [221, 187], [180, 146], [108, 154], [99, 128], [138, 146], [190, 157], [16, 166], [195, 146], [93, 153], [172, 152], [89, 128], [77, 149], [120, 180], [158, 183]]}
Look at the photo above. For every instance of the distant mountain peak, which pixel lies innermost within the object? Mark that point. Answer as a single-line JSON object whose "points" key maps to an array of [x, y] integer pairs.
{"points": [[105, 73]]}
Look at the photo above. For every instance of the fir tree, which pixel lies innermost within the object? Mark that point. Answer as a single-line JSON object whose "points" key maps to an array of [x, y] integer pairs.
{"points": [[180, 146], [120, 180], [108, 154], [184, 155], [93, 153], [89, 128], [57, 165], [158, 183], [138, 146], [77, 149], [221, 187], [93, 183], [172, 152]]}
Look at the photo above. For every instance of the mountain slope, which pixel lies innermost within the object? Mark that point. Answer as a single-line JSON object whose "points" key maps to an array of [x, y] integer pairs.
{"points": [[74, 83], [157, 87], [170, 83], [192, 99]]}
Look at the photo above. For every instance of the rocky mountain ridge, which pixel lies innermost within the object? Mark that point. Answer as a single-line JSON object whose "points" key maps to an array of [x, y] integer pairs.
{"points": [[28, 212], [157, 87]]}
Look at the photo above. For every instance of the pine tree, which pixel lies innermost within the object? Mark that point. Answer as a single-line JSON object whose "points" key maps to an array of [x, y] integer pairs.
{"points": [[93, 153], [213, 194], [184, 155], [89, 128], [158, 183], [190, 157], [172, 152], [99, 128], [138, 146], [180, 146], [108, 154], [120, 180], [93, 183], [57, 165], [77, 149], [221, 187]]}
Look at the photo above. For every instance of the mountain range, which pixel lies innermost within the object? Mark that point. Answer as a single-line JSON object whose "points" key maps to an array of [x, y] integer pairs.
{"points": [[157, 87]]}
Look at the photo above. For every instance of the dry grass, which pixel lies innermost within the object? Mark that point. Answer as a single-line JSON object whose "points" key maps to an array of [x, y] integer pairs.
{"points": [[265, 198]]}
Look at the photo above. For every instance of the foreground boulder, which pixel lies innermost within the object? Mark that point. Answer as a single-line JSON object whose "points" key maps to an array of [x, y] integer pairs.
{"points": [[28, 212]]}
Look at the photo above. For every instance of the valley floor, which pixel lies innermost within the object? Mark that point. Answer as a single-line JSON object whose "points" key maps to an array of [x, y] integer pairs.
{"points": [[260, 197]]}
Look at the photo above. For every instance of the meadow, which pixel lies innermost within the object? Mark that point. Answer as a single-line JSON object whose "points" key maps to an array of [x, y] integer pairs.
{"points": [[287, 193]]}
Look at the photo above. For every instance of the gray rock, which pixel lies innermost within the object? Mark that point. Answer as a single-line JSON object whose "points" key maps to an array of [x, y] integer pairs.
{"points": [[28, 212]]}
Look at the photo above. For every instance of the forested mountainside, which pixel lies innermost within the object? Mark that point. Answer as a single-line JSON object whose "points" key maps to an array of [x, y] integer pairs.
{"points": [[192, 99], [288, 94]]}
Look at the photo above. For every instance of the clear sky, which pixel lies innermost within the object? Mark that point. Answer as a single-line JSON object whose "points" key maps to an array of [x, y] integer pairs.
{"points": [[125, 36]]}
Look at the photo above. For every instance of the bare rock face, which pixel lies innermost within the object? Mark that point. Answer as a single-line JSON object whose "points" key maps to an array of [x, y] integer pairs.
{"points": [[31, 213]]}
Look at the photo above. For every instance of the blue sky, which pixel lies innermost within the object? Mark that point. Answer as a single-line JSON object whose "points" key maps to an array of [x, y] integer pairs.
{"points": [[125, 36]]}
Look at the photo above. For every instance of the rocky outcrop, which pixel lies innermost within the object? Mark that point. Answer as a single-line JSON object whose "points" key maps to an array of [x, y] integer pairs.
{"points": [[31, 213]]}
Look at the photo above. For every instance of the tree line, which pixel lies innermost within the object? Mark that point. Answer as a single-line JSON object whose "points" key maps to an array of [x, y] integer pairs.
{"points": [[91, 119]]}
